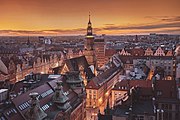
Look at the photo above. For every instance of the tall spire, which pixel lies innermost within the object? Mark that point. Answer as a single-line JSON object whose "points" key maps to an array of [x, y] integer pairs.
{"points": [[89, 18]]}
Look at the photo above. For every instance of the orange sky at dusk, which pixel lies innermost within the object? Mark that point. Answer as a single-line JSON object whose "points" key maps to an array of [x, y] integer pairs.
{"points": [[67, 17]]}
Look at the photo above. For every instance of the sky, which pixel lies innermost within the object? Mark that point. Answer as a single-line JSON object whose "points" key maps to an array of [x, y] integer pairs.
{"points": [[70, 17]]}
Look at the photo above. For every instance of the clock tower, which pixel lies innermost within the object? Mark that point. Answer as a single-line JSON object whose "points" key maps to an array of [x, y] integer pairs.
{"points": [[89, 45]]}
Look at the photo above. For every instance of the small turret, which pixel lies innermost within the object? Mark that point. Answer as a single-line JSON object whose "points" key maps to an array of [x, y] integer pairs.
{"points": [[74, 79], [60, 98], [35, 112]]}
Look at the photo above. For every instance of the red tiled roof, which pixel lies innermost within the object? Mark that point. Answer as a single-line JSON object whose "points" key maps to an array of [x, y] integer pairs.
{"points": [[133, 83], [92, 85], [99, 80], [137, 52], [167, 87], [74, 64], [110, 52]]}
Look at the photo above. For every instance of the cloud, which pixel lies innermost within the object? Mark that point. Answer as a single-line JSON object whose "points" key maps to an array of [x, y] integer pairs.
{"points": [[172, 19], [165, 24], [109, 24], [145, 27], [42, 32], [165, 18]]}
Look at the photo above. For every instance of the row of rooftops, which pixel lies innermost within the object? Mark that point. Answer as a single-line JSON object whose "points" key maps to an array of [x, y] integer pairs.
{"points": [[29, 61], [46, 89], [138, 51], [139, 98]]}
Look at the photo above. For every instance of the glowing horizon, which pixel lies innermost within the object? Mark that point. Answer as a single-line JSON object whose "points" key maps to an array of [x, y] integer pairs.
{"points": [[60, 17]]}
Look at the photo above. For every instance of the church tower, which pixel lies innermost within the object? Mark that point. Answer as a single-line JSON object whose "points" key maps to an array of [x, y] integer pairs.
{"points": [[89, 45]]}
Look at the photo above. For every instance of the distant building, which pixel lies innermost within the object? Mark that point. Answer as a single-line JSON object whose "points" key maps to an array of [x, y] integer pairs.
{"points": [[38, 64], [45, 40], [149, 52], [167, 63], [137, 51], [159, 52], [8, 52], [169, 53], [123, 52], [99, 46]]}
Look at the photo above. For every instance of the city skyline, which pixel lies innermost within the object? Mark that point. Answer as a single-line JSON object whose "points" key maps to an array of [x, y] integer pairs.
{"points": [[59, 17]]}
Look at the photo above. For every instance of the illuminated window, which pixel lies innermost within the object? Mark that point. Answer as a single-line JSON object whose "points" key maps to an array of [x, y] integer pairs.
{"points": [[24, 105], [45, 107]]}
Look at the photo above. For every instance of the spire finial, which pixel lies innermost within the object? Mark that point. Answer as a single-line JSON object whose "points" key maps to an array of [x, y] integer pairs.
{"points": [[89, 17]]}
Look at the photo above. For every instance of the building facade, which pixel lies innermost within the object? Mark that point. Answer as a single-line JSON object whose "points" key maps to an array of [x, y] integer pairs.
{"points": [[99, 88], [99, 45]]}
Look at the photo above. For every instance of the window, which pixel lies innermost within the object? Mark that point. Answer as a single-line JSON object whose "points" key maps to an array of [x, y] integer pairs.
{"points": [[11, 111], [169, 73], [94, 96], [177, 116], [166, 106], [45, 107], [165, 115], [159, 93], [46, 93], [170, 106], [177, 107], [90, 96], [169, 67], [162, 106], [170, 116], [2, 118], [140, 117], [24, 105]]}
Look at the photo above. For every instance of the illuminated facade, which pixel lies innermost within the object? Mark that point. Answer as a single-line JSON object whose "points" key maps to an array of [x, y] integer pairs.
{"points": [[99, 88], [40, 65]]}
